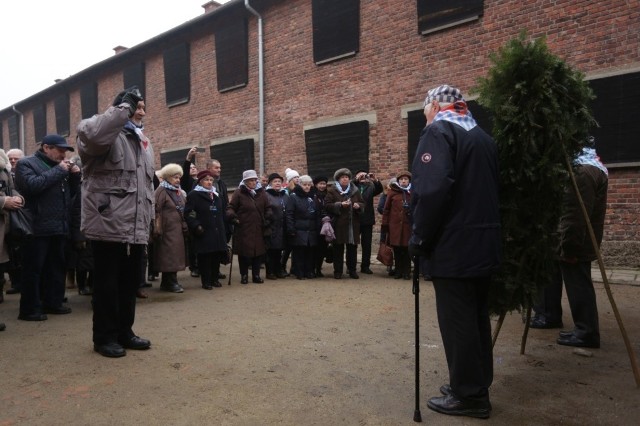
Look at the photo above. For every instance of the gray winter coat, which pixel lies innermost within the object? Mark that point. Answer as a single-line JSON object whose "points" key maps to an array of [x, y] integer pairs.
{"points": [[117, 187]]}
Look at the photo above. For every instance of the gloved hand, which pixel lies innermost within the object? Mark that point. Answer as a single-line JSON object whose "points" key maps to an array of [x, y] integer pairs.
{"points": [[199, 230], [418, 250], [132, 98]]}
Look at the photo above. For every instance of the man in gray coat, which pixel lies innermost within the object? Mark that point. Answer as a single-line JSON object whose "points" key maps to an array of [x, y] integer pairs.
{"points": [[117, 207]]}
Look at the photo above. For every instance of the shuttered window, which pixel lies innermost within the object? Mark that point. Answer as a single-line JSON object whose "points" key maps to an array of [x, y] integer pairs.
{"points": [[333, 147], [134, 75], [89, 100], [40, 122], [336, 29], [61, 104], [13, 124], [235, 157], [177, 74], [616, 109], [436, 15], [232, 57], [178, 156]]}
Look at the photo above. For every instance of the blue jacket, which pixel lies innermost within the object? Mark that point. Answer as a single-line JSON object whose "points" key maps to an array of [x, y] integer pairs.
{"points": [[454, 203], [48, 190]]}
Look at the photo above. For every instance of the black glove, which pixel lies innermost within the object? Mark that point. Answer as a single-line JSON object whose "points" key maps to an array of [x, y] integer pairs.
{"points": [[132, 98], [199, 230], [418, 250]]}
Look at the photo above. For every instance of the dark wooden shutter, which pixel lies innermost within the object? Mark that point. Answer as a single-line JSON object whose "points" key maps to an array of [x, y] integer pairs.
{"points": [[434, 15], [61, 104], [336, 29], [333, 147], [177, 156], [415, 123], [14, 131], [89, 99], [616, 109], [232, 56], [177, 74], [235, 157], [40, 122], [134, 75]]}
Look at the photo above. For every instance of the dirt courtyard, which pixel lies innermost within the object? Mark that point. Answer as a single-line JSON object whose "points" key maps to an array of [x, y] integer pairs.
{"points": [[313, 352]]}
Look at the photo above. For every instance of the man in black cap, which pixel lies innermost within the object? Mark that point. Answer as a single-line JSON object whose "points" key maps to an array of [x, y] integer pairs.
{"points": [[48, 183], [119, 166], [369, 186]]}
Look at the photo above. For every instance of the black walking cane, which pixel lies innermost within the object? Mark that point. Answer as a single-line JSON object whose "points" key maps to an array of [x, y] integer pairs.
{"points": [[230, 266], [417, 417]]}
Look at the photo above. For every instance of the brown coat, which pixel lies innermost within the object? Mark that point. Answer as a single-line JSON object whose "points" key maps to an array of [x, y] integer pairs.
{"points": [[396, 218], [168, 230], [249, 216], [345, 220]]}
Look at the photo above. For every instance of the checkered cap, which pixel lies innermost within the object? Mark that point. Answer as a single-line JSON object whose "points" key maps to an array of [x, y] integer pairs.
{"points": [[444, 93]]}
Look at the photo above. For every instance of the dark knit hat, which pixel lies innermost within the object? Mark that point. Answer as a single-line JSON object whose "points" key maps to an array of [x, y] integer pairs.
{"points": [[320, 179], [203, 174], [273, 176], [341, 172], [404, 173], [57, 141]]}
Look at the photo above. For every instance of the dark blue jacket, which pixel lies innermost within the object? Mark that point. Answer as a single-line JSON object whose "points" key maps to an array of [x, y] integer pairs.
{"points": [[302, 219], [48, 190], [454, 203], [208, 213], [278, 203]]}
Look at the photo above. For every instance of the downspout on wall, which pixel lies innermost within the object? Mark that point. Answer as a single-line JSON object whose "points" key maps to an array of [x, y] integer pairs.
{"points": [[21, 127], [260, 84]]}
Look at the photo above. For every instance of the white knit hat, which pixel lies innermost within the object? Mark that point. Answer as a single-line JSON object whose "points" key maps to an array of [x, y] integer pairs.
{"points": [[291, 174]]}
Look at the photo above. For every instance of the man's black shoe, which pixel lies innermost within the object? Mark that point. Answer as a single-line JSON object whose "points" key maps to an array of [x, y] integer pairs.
{"points": [[110, 350], [540, 321], [173, 288], [244, 279], [59, 310], [573, 340], [217, 284], [354, 275], [445, 389], [32, 317], [136, 343], [12, 290], [221, 276], [207, 286], [366, 271], [453, 406], [257, 280], [565, 333]]}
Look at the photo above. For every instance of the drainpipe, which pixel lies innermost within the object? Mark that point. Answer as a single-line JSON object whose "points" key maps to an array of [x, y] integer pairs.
{"points": [[260, 83], [21, 127]]}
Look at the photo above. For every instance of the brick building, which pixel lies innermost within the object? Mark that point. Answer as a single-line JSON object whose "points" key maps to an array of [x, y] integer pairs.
{"points": [[320, 84]]}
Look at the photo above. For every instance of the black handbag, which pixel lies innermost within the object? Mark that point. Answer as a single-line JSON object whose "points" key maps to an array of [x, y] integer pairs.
{"points": [[20, 228]]}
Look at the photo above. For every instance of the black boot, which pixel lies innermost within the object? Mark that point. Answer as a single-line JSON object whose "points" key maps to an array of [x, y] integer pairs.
{"points": [[170, 283]]}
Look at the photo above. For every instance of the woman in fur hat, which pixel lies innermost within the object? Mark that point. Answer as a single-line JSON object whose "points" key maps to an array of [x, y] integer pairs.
{"points": [[250, 213], [345, 205], [170, 228], [396, 222]]}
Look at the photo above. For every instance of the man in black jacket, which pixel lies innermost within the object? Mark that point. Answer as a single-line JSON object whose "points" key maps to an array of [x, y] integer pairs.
{"points": [[456, 225], [47, 182], [369, 187]]}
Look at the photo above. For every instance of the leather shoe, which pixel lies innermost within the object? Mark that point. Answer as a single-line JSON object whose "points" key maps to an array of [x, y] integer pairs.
{"points": [[173, 288], [445, 389], [217, 284], [366, 271], [135, 343], [540, 321], [110, 350], [32, 317], [244, 279], [565, 333], [59, 310], [207, 286], [272, 277], [337, 275], [195, 273], [573, 340], [354, 275], [454, 406], [221, 276], [12, 291], [141, 294], [257, 280]]}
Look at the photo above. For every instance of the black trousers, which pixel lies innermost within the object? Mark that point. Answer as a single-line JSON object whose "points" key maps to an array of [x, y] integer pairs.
{"points": [[116, 279], [366, 237], [320, 253], [43, 274], [549, 302], [338, 257], [302, 263], [209, 266], [582, 299], [463, 317], [273, 261], [244, 262]]}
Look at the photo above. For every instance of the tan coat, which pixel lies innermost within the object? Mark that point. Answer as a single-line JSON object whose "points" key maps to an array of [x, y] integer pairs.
{"points": [[6, 189], [169, 233]]}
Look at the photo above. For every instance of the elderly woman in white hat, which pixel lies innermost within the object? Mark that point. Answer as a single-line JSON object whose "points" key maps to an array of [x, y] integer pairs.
{"points": [[250, 213]]}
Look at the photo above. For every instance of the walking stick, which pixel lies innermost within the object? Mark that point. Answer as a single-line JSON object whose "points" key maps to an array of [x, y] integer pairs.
{"points": [[230, 269], [417, 417]]}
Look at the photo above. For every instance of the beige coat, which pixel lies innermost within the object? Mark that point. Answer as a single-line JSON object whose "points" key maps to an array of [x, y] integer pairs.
{"points": [[6, 189], [117, 186], [169, 233]]}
